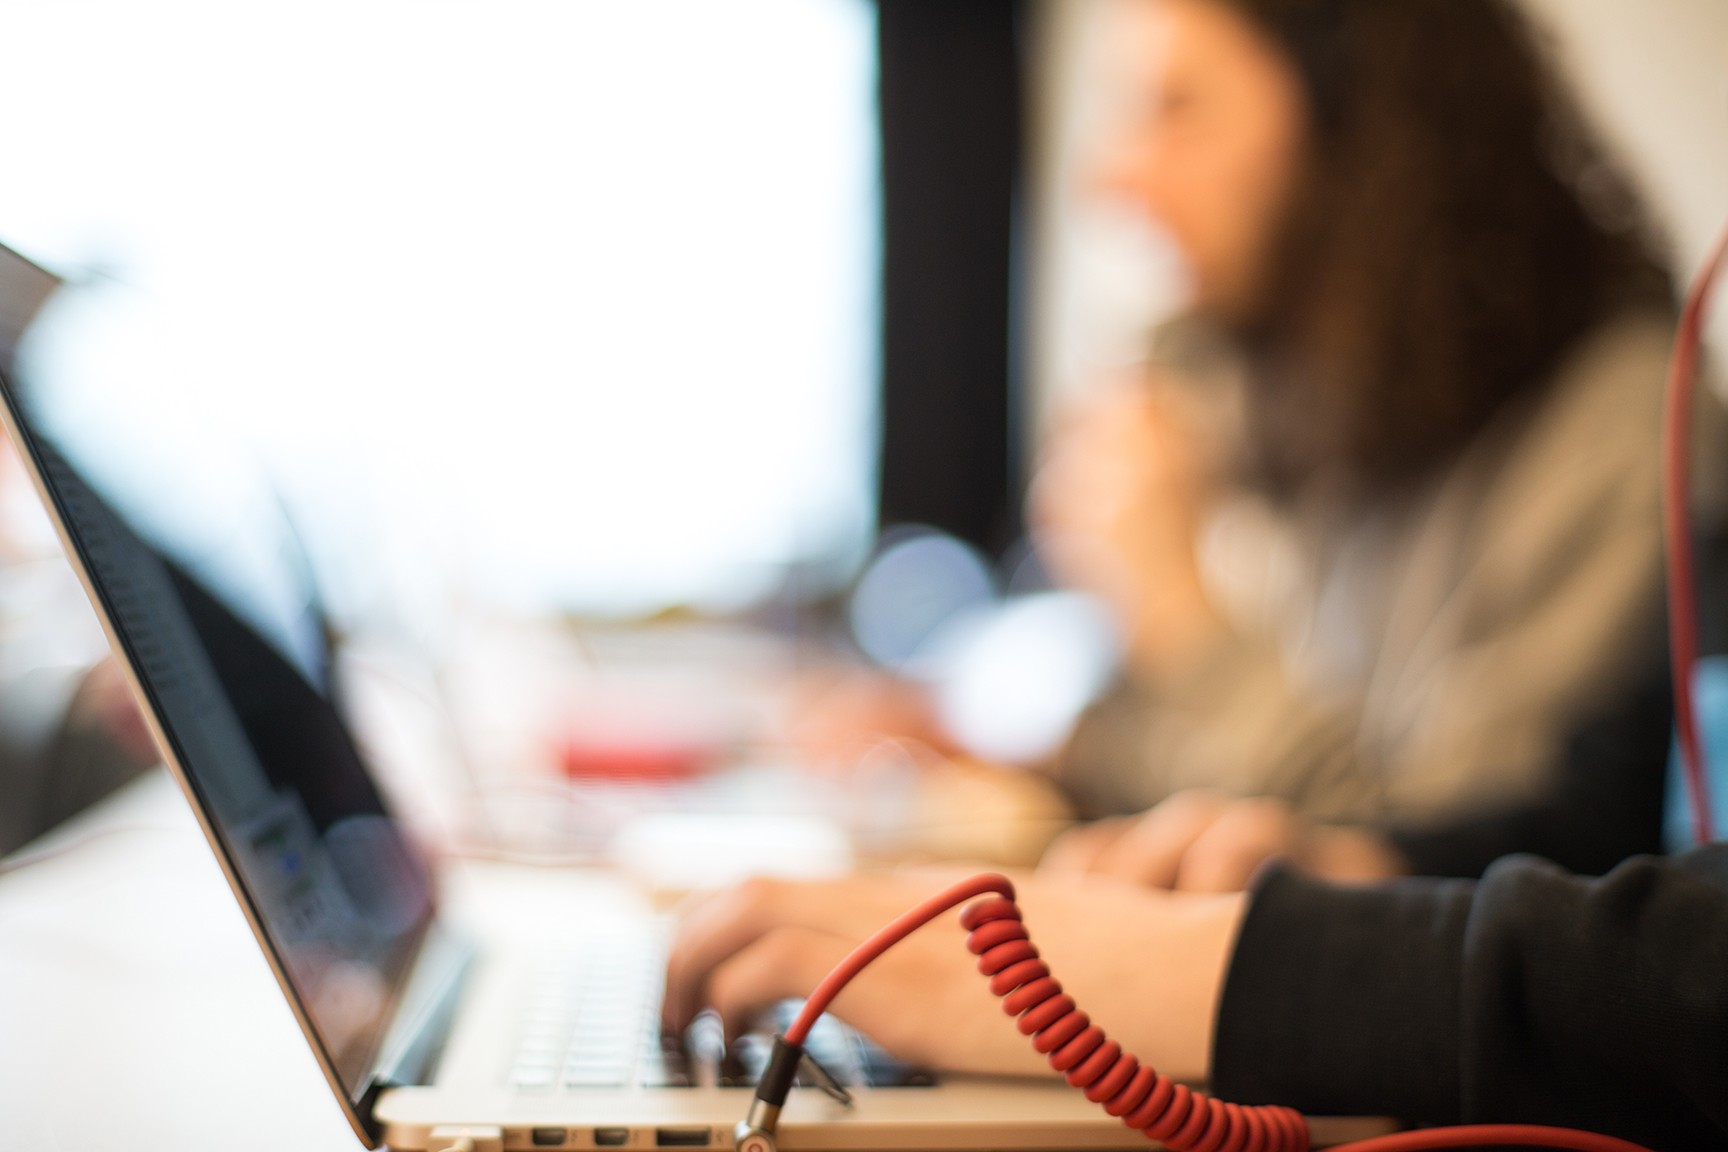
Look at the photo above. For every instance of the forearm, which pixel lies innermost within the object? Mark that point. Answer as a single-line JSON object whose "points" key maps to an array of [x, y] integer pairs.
{"points": [[1345, 1000]]}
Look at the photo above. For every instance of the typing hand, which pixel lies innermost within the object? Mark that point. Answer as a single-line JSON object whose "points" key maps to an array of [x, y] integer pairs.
{"points": [[1147, 966], [1203, 841]]}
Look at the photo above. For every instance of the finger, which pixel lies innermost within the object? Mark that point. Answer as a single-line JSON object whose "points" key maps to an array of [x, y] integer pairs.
{"points": [[1227, 855], [1152, 850], [923, 1001], [782, 964], [711, 928], [722, 925], [1077, 850]]}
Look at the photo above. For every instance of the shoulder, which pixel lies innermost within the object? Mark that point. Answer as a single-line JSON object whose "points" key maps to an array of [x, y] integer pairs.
{"points": [[1569, 480], [1611, 381], [1596, 422]]}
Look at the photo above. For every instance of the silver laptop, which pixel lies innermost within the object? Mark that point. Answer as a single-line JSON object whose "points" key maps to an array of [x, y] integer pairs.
{"points": [[490, 1008], [431, 1015]]}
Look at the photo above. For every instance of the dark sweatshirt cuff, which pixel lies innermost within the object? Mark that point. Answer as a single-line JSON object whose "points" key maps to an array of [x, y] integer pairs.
{"points": [[1462, 848], [1345, 1001]]}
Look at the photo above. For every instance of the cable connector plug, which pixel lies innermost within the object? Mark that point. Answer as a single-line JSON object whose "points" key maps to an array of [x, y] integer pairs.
{"points": [[755, 1133], [826, 1080]]}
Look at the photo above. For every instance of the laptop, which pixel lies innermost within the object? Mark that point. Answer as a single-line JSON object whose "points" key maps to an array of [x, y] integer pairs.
{"points": [[502, 1009]]}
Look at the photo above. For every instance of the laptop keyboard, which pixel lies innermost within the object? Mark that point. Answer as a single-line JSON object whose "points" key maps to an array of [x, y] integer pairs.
{"points": [[849, 1056], [593, 1021]]}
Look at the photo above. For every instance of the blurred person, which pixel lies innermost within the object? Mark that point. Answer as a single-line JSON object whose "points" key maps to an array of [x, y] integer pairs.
{"points": [[1530, 996], [1381, 520], [1379, 517]]}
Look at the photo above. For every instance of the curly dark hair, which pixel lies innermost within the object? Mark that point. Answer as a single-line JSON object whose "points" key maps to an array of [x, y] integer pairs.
{"points": [[1454, 232]]}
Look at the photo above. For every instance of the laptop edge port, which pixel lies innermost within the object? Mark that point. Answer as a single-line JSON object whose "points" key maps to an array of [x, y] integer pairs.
{"points": [[611, 1137], [548, 1137], [682, 1137]]}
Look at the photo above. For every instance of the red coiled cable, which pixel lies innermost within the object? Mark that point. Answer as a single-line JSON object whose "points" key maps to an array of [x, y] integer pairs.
{"points": [[1179, 1117], [1143, 1098], [1189, 1121]]}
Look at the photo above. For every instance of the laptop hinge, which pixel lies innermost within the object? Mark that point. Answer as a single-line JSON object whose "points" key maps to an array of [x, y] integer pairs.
{"points": [[415, 1041]]}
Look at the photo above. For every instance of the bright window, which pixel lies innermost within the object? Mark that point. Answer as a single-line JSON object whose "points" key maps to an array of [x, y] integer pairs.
{"points": [[582, 294]]}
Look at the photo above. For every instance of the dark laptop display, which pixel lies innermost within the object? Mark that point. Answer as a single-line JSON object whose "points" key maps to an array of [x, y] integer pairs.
{"points": [[242, 684]]}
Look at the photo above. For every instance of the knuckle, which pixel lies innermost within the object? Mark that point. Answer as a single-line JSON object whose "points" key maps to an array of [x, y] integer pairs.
{"points": [[753, 977], [759, 895], [1258, 821], [732, 989], [1194, 803], [780, 950]]}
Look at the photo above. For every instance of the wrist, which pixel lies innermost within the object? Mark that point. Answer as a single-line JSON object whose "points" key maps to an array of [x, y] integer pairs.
{"points": [[1149, 967], [1221, 925], [1353, 855], [1189, 966]]}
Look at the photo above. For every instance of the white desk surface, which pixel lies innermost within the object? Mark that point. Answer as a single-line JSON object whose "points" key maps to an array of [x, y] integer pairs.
{"points": [[136, 1012]]}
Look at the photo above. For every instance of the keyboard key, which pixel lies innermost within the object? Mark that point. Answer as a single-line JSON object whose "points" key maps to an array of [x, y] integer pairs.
{"points": [[593, 1022], [531, 1078]]}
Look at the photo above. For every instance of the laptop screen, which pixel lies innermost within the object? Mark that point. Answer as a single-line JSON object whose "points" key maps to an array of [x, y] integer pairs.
{"points": [[195, 572]]}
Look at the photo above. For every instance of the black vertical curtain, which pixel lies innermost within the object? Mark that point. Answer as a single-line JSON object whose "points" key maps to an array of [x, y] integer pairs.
{"points": [[952, 116]]}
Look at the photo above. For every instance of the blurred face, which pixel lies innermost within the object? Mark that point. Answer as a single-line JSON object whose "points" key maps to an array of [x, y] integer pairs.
{"points": [[1206, 126]]}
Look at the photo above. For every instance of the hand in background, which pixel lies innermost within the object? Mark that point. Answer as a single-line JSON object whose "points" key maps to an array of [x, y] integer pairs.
{"points": [[1147, 966], [1116, 506], [104, 703], [836, 716], [1203, 841]]}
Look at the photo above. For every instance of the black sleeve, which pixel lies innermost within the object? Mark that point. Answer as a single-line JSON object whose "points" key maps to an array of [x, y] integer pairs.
{"points": [[1532, 997], [1605, 804]]}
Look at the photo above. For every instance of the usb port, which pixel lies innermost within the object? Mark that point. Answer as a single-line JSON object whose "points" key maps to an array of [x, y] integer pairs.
{"points": [[682, 1137], [548, 1137], [611, 1137]]}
